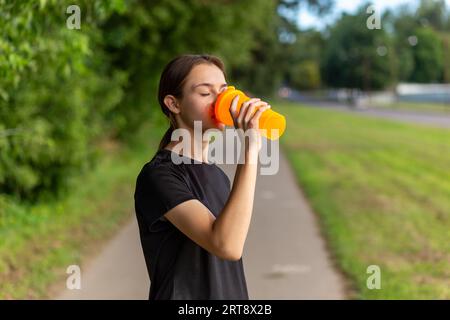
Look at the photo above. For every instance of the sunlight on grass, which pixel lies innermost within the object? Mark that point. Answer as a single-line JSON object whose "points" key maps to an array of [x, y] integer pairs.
{"points": [[382, 191], [38, 242]]}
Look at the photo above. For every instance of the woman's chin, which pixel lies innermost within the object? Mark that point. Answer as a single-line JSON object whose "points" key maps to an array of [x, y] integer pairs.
{"points": [[218, 125], [213, 123]]}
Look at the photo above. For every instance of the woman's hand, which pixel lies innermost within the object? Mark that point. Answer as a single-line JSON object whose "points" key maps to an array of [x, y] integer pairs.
{"points": [[247, 119]]}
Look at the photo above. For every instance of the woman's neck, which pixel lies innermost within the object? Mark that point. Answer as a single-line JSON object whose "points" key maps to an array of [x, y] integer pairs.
{"points": [[197, 150]]}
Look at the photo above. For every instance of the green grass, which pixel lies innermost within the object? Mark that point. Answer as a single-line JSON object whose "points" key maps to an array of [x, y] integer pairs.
{"points": [[38, 242], [382, 191], [417, 107]]}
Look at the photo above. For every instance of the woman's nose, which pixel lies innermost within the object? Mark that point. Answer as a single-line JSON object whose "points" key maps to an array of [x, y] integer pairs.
{"points": [[215, 95]]}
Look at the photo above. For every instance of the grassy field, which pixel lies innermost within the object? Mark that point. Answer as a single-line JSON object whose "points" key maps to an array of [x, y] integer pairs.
{"points": [[381, 189], [38, 242], [382, 192]]}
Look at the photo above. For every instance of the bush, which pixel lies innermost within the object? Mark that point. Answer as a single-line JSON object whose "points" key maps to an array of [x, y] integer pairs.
{"points": [[63, 90], [54, 93]]}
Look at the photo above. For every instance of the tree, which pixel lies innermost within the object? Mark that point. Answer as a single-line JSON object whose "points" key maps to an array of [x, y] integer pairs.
{"points": [[428, 24], [299, 59], [306, 75], [278, 47], [402, 24], [150, 33], [433, 13], [54, 94], [357, 57], [428, 56]]}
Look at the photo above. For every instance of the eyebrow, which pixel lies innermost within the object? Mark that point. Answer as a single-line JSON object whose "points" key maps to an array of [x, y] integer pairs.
{"points": [[207, 84]]}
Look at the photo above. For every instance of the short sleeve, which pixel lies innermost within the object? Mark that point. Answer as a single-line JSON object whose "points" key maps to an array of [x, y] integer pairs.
{"points": [[161, 189]]}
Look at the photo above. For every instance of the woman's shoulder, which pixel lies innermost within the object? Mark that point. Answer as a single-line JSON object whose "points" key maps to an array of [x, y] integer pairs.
{"points": [[161, 170], [160, 158], [160, 165]]}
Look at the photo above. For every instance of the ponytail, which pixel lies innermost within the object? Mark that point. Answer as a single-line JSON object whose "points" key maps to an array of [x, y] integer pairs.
{"points": [[166, 138]]}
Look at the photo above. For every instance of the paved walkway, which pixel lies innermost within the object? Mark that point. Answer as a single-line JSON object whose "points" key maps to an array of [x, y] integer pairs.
{"points": [[434, 119], [118, 272], [285, 256], [422, 117]]}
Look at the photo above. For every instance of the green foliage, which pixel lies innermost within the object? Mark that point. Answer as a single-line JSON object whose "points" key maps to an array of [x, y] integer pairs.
{"points": [[149, 34], [428, 56], [39, 241], [263, 72], [356, 56], [433, 13], [62, 90], [415, 33], [402, 23], [279, 47], [54, 93], [306, 75]]}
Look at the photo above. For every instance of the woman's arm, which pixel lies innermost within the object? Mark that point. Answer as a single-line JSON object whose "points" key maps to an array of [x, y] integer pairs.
{"points": [[226, 235], [231, 227]]}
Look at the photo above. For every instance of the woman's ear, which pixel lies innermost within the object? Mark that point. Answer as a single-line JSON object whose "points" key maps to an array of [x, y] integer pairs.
{"points": [[172, 104]]}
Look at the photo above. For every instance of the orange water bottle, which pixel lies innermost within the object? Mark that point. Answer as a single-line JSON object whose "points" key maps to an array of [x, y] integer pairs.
{"points": [[268, 120]]}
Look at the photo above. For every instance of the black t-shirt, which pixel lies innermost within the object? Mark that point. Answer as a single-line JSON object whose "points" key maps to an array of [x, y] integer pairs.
{"points": [[178, 267]]}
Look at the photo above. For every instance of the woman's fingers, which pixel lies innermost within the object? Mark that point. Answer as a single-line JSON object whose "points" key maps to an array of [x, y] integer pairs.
{"points": [[251, 110], [249, 113], [242, 111], [254, 121], [233, 107]]}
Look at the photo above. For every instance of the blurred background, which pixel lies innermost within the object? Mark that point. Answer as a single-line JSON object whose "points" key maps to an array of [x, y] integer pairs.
{"points": [[365, 171]]}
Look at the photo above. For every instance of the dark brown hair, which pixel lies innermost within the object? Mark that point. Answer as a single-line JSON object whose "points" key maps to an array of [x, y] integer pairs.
{"points": [[172, 80]]}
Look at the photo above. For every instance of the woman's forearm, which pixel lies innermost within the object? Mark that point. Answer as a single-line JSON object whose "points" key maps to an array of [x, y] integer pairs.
{"points": [[231, 227]]}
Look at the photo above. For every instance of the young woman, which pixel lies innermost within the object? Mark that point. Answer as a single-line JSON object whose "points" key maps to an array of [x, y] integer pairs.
{"points": [[192, 226]]}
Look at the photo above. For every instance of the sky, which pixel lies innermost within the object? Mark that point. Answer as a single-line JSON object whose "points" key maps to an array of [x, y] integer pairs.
{"points": [[306, 19]]}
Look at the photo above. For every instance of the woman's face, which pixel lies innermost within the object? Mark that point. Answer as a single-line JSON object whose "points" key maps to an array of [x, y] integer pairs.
{"points": [[203, 84]]}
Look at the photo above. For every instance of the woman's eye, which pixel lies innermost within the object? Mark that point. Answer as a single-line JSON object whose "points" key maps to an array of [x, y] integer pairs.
{"points": [[204, 94]]}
